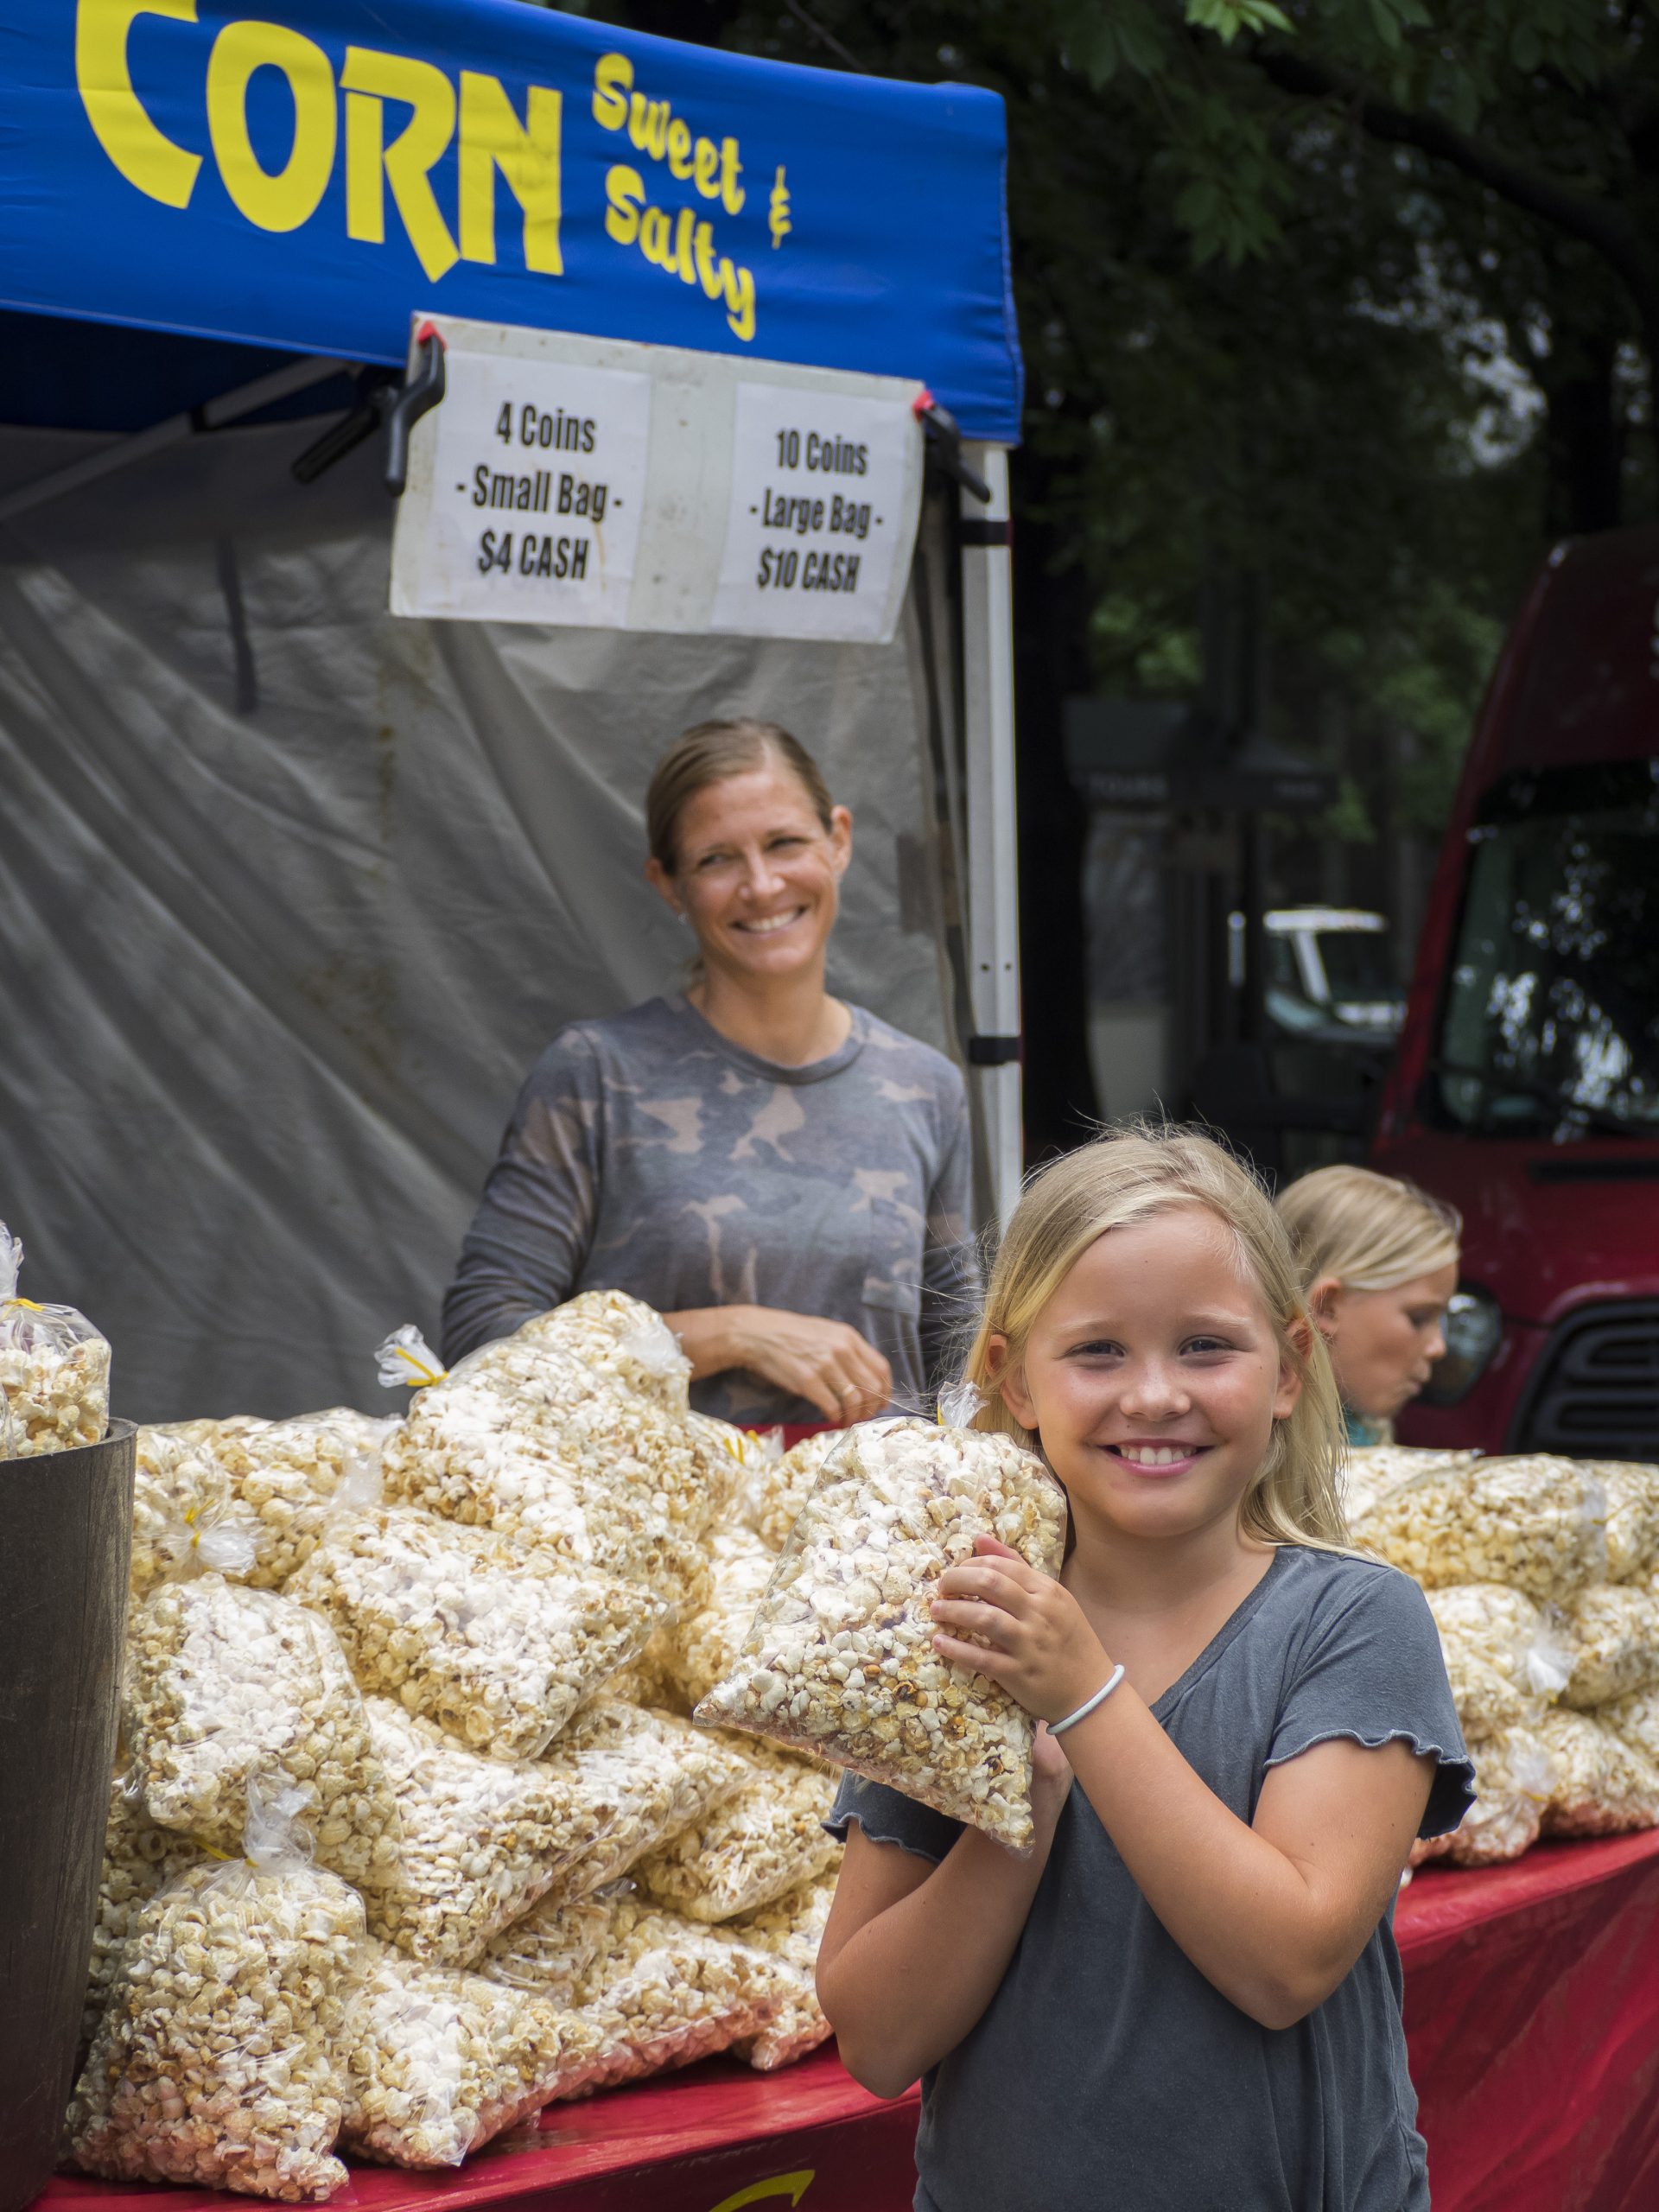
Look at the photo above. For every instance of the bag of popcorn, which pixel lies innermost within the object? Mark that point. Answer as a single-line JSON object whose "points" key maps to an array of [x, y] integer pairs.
{"points": [[139, 1859], [839, 1659], [481, 1838], [764, 1841], [650, 1679], [185, 1518], [791, 1928], [634, 1778], [439, 2061], [550, 1951], [1370, 1472], [224, 1684], [290, 1478], [778, 1488], [1635, 1716], [624, 1342], [217, 2062], [1613, 1629], [1536, 1522], [523, 1437], [54, 1370], [496, 1643], [1633, 1489], [1515, 1775], [702, 1646], [1602, 1783], [485, 1840], [666, 1991], [1506, 1658]]}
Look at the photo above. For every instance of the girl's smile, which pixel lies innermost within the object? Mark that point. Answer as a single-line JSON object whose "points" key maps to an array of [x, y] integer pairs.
{"points": [[1157, 1457], [1153, 1377]]}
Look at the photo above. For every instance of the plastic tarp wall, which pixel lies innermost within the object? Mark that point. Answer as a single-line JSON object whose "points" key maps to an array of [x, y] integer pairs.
{"points": [[292, 894]]}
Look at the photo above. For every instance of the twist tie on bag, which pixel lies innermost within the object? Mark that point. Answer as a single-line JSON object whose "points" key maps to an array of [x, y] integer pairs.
{"points": [[405, 1360], [960, 1403], [221, 1542], [28, 1305], [657, 1348], [274, 1835], [1550, 1657], [362, 1486]]}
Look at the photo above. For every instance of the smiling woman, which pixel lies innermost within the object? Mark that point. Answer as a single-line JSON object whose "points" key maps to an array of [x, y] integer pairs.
{"points": [[782, 1174]]}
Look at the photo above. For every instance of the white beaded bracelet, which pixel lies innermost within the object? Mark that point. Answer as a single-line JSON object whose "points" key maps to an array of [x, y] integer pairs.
{"points": [[1059, 1727]]}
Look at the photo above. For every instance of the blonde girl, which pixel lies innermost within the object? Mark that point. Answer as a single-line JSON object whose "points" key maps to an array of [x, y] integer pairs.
{"points": [[1378, 1261], [1187, 1998]]}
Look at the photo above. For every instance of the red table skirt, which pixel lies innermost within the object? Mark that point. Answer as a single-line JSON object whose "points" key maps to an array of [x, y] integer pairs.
{"points": [[1532, 2011]]}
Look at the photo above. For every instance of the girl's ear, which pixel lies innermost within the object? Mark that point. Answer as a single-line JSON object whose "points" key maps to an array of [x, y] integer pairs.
{"points": [[1300, 1333], [1323, 1299], [1010, 1381]]}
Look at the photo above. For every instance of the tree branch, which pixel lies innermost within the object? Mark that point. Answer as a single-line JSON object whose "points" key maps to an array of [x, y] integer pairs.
{"points": [[1601, 224]]}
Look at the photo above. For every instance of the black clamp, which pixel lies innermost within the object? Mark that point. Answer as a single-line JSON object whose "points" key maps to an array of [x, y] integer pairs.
{"points": [[376, 389], [945, 445], [995, 1052], [420, 395], [381, 397]]}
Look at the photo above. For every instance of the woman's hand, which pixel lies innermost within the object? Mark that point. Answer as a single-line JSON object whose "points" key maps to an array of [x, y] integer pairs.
{"points": [[827, 1362], [1041, 1648]]}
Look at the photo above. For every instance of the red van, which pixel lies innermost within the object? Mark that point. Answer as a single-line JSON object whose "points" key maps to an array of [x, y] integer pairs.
{"points": [[1526, 1087]]}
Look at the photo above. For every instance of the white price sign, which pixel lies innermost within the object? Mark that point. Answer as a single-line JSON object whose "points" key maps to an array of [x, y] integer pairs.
{"points": [[816, 520], [536, 495], [570, 479]]}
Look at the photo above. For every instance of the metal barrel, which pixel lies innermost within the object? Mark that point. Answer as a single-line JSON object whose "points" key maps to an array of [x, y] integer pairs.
{"points": [[65, 1534]]}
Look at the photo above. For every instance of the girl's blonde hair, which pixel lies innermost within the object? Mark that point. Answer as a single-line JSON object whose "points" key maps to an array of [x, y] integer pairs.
{"points": [[1371, 1232], [1131, 1175]]}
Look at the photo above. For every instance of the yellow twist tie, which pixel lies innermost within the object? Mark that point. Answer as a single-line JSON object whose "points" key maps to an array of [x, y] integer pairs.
{"points": [[32, 1304], [425, 1375]]}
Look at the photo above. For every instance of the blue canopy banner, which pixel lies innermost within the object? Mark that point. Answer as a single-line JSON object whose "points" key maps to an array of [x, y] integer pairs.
{"points": [[304, 174]]}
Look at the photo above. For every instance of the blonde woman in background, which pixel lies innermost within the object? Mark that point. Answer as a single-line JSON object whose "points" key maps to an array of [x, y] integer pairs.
{"points": [[1378, 1259]]}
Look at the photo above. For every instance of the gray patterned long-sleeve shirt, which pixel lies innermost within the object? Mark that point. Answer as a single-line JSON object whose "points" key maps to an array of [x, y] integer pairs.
{"points": [[648, 1153]]}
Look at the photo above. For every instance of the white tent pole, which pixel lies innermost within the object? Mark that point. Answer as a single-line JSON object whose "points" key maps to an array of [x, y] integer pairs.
{"points": [[993, 867]]}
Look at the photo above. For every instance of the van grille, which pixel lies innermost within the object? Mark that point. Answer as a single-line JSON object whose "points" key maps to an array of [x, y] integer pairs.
{"points": [[1597, 1392]]}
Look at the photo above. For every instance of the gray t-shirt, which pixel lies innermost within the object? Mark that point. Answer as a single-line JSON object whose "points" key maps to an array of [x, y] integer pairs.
{"points": [[1107, 2073], [647, 1153]]}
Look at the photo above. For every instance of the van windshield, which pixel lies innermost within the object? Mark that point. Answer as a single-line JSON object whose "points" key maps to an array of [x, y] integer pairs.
{"points": [[1551, 1020], [1357, 963]]}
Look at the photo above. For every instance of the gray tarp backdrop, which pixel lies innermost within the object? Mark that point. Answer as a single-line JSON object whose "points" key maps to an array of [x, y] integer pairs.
{"points": [[292, 893]]}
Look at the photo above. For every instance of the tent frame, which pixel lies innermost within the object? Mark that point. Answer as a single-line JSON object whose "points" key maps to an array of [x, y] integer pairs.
{"points": [[992, 865], [985, 675]]}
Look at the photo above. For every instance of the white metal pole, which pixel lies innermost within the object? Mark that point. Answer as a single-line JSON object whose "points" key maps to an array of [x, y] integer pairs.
{"points": [[992, 866]]}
